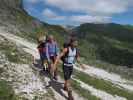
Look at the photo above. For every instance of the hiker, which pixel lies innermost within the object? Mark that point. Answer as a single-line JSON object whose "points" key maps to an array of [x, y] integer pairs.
{"points": [[42, 50], [68, 55], [51, 53]]}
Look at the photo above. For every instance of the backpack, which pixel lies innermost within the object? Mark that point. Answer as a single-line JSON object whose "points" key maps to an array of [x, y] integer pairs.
{"points": [[42, 47], [66, 54], [65, 45]]}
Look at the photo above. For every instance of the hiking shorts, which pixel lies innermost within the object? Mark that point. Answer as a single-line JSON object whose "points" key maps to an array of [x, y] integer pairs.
{"points": [[67, 70], [52, 58]]}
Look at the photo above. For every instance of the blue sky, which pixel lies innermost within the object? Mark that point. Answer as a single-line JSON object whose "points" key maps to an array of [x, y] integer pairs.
{"points": [[75, 12]]}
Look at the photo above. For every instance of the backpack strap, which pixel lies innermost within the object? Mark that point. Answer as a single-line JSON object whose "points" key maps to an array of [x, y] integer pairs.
{"points": [[66, 55]]}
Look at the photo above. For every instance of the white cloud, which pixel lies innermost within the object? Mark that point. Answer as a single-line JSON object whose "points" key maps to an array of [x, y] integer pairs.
{"points": [[89, 19], [60, 18], [95, 10], [48, 13], [103, 7], [75, 19], [52, 15], [33, 1], [99, 11]]}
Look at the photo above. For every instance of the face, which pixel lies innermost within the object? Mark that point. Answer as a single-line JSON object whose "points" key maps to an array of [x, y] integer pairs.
{"points": [[51, 38], [75, 44]]}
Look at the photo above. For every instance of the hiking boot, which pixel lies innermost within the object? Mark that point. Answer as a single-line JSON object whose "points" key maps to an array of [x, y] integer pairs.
{"points": [[70, 97], [43, 70], [55, 77]]}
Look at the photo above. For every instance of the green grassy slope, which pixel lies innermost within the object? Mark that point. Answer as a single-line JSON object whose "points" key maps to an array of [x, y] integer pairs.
{"points": [[108, 46], [6, 91]]}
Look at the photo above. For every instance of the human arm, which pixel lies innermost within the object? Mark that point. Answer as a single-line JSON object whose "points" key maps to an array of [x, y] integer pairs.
{"points": [[59, 57], [79, 61]]}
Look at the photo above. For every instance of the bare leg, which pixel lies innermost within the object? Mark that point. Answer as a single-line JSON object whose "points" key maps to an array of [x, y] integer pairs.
{"points": [[65, 85], [68, 84]]}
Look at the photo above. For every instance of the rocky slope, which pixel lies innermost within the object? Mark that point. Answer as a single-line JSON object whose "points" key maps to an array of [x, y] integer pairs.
{"points": [[14, 19], [84, 82]]}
